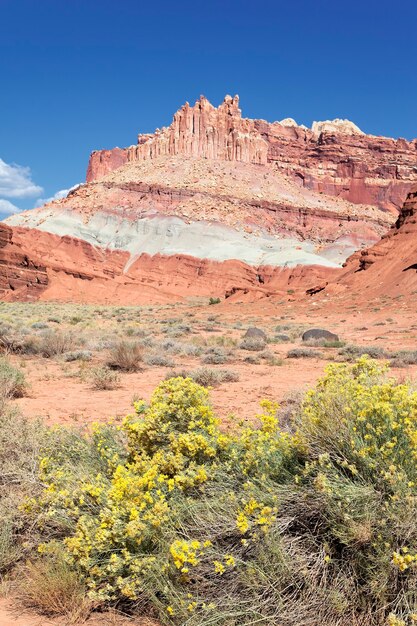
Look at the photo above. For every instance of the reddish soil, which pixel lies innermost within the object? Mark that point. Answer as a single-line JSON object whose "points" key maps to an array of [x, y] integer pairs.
{"points": [[58, 395]]}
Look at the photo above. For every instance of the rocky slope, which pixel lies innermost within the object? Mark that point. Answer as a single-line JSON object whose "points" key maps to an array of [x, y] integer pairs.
{"points": [[217, 204], [390, 266]]}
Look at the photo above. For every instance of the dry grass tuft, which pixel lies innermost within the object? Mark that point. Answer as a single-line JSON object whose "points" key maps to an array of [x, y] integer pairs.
{"points": [[126, 356], [51, 587]]}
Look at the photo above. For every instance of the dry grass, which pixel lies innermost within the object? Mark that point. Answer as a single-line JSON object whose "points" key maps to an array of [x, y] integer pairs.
{"points": [[51, 587], [126, 356]]}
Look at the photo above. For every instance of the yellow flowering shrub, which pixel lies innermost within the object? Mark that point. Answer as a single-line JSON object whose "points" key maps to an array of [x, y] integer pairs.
{"points": [[314, 523]]}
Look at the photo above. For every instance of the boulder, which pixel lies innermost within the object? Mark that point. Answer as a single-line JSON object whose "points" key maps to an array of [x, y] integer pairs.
{"points": [[319, 333], [255, 332]]}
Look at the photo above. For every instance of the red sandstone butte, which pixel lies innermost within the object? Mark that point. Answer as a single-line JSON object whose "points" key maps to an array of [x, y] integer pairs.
{"points": [[334, 159], [273, 205]]}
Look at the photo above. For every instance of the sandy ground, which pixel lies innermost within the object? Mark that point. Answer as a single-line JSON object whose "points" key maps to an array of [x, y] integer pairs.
{"points": [[57, 394], [12, 615]]}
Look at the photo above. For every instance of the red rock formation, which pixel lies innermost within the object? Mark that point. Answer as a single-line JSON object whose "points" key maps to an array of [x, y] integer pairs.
{"points": [[198, 131], [390, 266], [103, 161], [360, 168], [20, 276], [67, 269]]}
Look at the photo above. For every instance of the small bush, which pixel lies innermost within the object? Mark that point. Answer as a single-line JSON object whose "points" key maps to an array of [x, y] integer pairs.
{"points": [[270, 358], [319, 342], [126, 356], [303, 353], [160, 360], [214, 301], [39, 325], [215, 356], [104, 378], [352, 352], [20, 444], [78, 355], [406, 357], [254, 344], [12, 380], [211, 377], [50, 344], [252, 359], [207, 377]]}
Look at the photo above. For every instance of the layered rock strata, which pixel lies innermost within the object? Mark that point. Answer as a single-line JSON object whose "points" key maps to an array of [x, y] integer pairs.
{"points": [[390, 266], [21, 277], [334, 157]]}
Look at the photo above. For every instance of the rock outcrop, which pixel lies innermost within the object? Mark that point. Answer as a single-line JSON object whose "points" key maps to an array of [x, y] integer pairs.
{"points": [[334, 157], [198, 131], [20, 276], [213, 205], [66, 269], [389, 267]]}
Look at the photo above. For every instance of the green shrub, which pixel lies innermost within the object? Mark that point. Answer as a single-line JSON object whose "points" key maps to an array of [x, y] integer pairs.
{"points": [[254, 344], [214, 301], [53, 587], [206, 376], [50, 343], [20, 444], [161, 360], [352, 352]]}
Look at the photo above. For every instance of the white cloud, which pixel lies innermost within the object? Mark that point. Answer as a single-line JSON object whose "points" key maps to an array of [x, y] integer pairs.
{"points": [[62, 193], [16, 181], [7, 208]]}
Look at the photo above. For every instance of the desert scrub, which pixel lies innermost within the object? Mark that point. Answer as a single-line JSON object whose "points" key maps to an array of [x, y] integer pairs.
{"points": [[145, 525], [254, 344], [216, 355], [309, 522], [403, 358], [206, 376], [352, 352], [20, 445], [12, 380], [126, 356], [52, 587], [160, 360], [77, 355], [304, 353], [104, 378]]}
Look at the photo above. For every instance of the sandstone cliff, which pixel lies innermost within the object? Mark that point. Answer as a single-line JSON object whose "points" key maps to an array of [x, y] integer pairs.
{"points": [[334, 157], [390, 266], [20, 276]]}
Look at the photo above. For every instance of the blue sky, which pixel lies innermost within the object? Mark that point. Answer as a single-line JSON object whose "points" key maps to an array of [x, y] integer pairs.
{"points": [[79, 75]]}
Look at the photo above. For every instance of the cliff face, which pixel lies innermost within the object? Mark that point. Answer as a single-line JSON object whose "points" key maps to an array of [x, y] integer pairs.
{"points": [[390, 266], [333, 158], [360, 168], [198, 131], [20, 276]]}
